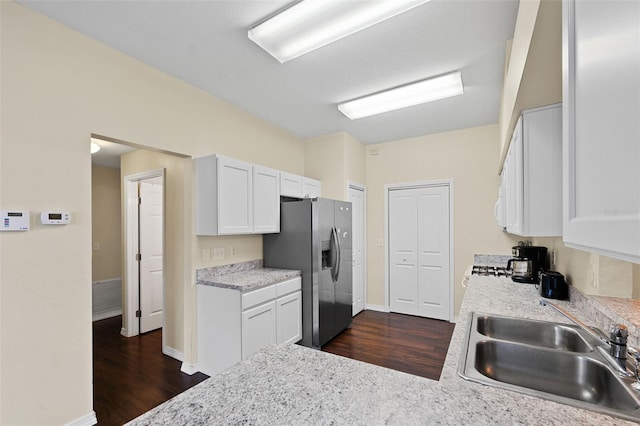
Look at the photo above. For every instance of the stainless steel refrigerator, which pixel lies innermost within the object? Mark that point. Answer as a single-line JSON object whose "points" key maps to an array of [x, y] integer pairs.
{"points": [[315, 237]]}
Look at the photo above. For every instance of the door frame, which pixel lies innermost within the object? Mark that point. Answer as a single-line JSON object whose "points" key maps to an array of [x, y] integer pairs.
{"points": [[448, 183], [360, 187], [131, 326]]}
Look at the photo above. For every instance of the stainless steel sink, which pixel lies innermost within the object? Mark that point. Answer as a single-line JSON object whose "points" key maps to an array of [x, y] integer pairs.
{"points": [[532, 332], [549, 360]]}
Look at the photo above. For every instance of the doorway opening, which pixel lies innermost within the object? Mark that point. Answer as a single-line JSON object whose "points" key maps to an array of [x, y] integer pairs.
{"points": [[419, 255]]}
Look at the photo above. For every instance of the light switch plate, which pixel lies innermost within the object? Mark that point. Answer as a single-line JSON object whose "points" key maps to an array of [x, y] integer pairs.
{"points": [[218, 253]]}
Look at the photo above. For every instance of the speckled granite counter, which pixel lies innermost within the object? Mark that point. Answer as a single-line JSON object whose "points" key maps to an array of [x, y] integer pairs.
{"points": [[245, 276], [294, 385]]}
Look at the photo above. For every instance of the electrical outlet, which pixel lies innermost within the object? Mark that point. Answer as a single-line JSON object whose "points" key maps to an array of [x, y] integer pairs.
{"points": [[218, 253], [96, 246], [233, 251], [380, 242], [553, 258]]}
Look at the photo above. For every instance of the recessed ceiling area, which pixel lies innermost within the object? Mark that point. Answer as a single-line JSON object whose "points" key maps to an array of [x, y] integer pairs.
{"points": [[110, 153], [205, 44]]}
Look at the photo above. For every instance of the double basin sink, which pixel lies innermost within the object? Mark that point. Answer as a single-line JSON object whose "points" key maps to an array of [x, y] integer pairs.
{"points": [[554, 361]]}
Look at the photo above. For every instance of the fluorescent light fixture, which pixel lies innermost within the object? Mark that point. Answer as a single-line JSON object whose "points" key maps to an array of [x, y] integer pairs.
{"points": [[432, 89], [311, 24], [94, 147]]}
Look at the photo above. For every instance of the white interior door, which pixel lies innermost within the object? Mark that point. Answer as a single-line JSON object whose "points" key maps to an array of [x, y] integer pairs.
{"points": [[356, 196], [151, 250], [419, 255], [403, 249], [433, 258]]}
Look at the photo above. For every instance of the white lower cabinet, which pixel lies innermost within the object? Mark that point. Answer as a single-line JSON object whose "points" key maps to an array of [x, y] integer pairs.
{"points": [[288, 327], [232, 325], [258, 328]]}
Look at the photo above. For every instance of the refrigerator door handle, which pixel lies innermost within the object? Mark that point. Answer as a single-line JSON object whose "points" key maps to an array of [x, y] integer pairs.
{"points": [[339, 256], [335, 254]]}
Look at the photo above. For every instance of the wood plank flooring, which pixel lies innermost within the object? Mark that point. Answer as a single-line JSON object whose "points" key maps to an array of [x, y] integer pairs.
{"points": [[131, 375], [405, 343]]}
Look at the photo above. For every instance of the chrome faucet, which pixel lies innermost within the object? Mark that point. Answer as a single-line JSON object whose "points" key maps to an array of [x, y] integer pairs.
{"points": [[618, 335], [616, 343]]}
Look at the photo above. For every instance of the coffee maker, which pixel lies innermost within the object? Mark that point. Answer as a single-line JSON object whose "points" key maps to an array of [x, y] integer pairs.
{"points": [[527, 262]]}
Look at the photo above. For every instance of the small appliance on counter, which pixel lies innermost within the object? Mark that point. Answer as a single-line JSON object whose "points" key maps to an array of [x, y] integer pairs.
{"points": [[527, 262], [553, 285]]}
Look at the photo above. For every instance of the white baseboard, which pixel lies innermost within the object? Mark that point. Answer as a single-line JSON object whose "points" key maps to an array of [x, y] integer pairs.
{"points": [[123, 332], [105, 315], [173, 353], [189, 369], [378, 308], [88, 420]]}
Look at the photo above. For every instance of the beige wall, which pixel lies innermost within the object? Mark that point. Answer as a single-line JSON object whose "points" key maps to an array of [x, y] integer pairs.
{"points": [[106, 263], [469, 157], [534, 70], [324, 160], [592, 273], [58, 87], [335, 159], [354, 159]]}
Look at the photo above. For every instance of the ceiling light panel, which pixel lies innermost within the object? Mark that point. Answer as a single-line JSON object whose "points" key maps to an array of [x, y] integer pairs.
{"points": [[311, 24], [432, 89]]}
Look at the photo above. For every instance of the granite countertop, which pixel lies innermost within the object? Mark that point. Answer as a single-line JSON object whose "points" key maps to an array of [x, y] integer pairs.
{"points": [[244, 276], [295, 385]]}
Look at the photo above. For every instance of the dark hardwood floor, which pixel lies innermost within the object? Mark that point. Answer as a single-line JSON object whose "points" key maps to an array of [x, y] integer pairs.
{"points": [[405, 343], [131, 375]]}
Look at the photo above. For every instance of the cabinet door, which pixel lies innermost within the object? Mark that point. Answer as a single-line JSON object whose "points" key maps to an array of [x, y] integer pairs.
{"points": [[266, 200], [235, 198], [601, 93], [311, 188], [289, 318], [290, 185], [258, 328], [515, 182]]}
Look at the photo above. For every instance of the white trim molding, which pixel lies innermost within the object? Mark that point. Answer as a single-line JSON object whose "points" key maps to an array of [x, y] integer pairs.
{"points": [[88, 420], [377, 308], [172, 352], [363, 188], [189, 369]]}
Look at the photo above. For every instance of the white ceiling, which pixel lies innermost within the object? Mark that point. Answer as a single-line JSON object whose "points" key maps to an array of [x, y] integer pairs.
{"points": [[205, 44]]}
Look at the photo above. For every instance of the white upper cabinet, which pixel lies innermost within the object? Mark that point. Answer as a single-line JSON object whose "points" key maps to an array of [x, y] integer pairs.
{"points": [[311, 188], [299, 186], [235, 197], [532, 174], [290, 185], [266, 200], [601, 94]]}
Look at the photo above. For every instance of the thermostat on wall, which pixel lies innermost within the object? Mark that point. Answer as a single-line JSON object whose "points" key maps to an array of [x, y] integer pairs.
{"points": [[15, 220], [55, 218]]}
